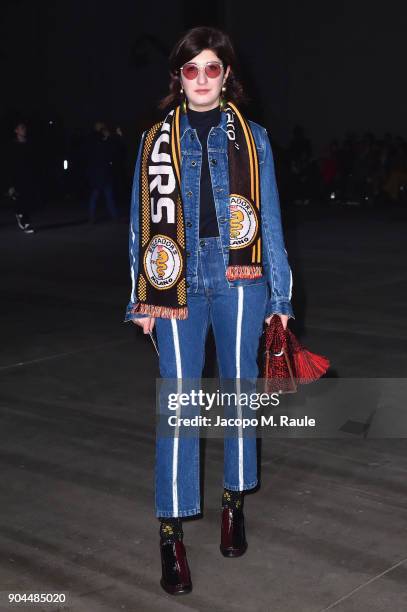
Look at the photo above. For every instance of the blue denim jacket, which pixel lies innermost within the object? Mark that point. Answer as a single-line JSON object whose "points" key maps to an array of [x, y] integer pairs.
{"points": [[277, 271]]}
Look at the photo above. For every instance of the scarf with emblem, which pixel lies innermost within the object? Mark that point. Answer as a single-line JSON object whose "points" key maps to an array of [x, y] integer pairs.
{"points": [[161, 287]]}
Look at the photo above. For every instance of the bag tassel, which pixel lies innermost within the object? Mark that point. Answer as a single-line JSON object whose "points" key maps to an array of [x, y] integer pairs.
{"points": [[309, 366]]}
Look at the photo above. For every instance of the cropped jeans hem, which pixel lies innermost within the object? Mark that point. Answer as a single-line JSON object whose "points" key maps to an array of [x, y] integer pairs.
{"points": [[250, 485]]}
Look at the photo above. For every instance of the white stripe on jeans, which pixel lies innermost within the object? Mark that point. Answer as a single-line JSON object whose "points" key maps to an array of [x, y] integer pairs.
{"points": [[133, 279], [290, 293], [238, 350], [178, 414]]}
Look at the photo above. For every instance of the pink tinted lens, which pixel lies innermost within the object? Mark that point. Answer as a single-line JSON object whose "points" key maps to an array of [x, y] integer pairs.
{"points": [[190, 71], [212, 70]]}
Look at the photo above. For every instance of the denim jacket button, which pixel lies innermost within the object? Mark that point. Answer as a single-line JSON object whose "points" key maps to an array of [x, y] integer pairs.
{"points": [[213, 162], [189, 193], [202, 242], [188, 224], [193, 163]]}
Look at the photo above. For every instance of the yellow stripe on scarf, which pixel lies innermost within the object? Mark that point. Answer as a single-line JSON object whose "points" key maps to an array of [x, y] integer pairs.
{"points": [[175, 144]]}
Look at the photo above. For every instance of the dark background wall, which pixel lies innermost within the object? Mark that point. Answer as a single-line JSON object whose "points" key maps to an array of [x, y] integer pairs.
{"points": [[332, 67], [345, 67]]}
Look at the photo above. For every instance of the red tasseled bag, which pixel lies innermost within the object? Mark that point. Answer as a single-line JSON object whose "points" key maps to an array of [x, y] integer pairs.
{"points": [[288, 363]]}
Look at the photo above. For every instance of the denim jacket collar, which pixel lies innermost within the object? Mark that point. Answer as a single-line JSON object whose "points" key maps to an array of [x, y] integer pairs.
{"points": [[185, 126]]}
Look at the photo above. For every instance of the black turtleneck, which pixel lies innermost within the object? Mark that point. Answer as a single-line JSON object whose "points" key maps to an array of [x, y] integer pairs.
{"points": [[202, 122]]}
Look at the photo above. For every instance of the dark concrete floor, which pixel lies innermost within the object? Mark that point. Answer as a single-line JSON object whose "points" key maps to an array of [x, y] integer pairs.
{"points": [[326, 529]]}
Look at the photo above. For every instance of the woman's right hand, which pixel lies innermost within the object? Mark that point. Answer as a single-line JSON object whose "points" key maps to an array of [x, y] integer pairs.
{"points": [[147, 323]]}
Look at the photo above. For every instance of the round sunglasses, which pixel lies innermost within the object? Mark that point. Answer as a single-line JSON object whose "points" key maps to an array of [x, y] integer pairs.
{"points": [[190, 70]]}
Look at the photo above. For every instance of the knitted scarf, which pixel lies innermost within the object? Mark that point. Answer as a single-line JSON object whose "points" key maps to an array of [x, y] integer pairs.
{"points": [[161, 284]]}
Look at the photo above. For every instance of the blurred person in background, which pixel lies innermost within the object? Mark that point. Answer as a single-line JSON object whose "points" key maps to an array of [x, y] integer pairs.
{"points": [[21, 171], [100, 154], [396, 181], [329, 170], [121, 186], [301, 166]]}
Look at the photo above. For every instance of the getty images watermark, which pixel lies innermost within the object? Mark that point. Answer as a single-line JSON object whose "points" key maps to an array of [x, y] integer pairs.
{"points": [[348, 408], [238, 400]]}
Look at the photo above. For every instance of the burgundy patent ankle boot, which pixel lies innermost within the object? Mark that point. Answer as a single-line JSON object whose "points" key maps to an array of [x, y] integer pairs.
{"points": [[233, 537], [176, 576]]}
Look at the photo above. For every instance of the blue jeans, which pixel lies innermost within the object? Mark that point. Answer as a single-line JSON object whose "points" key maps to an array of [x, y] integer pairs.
{"points": [[237, 315]]}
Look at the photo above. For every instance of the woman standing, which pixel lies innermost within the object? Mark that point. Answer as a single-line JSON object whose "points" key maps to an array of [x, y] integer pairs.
{"points": [[206, 247]]}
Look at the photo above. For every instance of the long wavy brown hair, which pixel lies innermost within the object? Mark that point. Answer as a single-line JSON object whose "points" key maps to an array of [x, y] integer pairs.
{"points": [[193, 42]]}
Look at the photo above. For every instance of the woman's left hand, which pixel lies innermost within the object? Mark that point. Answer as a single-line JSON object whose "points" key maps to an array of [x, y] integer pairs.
{"points": [[284, 320]]}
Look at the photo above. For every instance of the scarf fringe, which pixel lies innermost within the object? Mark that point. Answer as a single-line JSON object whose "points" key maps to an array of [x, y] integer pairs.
{"points": [[236, 272], [165, 312]]}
